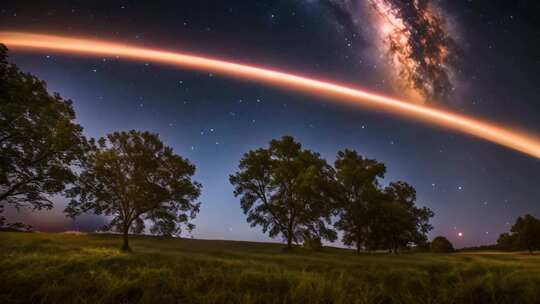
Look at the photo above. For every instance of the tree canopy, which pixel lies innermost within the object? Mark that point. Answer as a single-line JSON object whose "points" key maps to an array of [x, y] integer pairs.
{"points": [[293, 192], [399, 222], [133, 177], [39, 139], [357, 195], [440, 244], [286, 190], [373, 217], [524, 235]]}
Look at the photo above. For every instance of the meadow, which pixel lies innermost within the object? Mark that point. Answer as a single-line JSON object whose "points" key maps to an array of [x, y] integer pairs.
{"points": [[90, 268]]}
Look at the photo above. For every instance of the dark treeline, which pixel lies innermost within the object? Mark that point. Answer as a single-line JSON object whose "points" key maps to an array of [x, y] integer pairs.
{"points": [[524, 235]]}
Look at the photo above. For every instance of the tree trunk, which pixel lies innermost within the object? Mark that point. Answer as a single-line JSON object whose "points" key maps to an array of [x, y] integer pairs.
{"points": [[290, 233], [125, 246], [289, 240]]}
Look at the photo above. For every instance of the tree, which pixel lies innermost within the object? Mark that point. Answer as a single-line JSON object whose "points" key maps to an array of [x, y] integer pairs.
{"points": [[39, 140], [133, 177], [507, 241], [526, 231], [441, 244], [399, 222], [357, 195], [285, 189]]}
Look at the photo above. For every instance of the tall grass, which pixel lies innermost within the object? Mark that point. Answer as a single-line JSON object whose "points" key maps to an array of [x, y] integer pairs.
{"points": [[60, 268]]}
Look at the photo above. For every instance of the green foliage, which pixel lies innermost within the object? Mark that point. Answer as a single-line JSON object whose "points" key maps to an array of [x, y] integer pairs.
{"points": [[358, 196], [526, 233], [375, 218], [39, 140], [285, 189], [293, 192], [399, 222], [65, 268], [133, 177], [441, 244], [507, 241]]}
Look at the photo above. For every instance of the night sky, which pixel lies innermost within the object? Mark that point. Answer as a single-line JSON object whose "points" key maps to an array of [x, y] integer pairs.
{"points": [[490, 70]]}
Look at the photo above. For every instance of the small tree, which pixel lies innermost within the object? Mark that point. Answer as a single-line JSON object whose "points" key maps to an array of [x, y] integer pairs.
{"points": [[134, 177], [526, 232], [285, 189], [39, 139], [357, 194], [441, 244]]}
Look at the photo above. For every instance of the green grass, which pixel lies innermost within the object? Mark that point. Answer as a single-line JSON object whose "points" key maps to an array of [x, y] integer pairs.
{"points": [[63, 268]]}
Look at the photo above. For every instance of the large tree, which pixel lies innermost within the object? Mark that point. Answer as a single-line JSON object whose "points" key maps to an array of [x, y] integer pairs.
{"points": [[133, 177], [39, 139], [285, 189], [399, 221], [358, 196]]}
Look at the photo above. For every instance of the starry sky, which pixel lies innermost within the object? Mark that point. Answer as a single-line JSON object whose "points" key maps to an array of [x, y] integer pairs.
{"points": [[488, 69]]}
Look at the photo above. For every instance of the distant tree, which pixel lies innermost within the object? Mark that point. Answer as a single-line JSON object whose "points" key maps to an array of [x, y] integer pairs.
{"points": [[357, 195], [39, 139], [526, 231], [507, 241], [399, 222], [132, 176], [441, 244], [285, 189]]}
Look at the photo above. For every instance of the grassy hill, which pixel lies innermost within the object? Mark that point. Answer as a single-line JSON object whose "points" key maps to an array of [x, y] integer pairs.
{"points": [[66, 268]]}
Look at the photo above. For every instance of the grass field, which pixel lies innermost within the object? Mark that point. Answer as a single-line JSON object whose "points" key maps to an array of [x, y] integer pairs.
{"points": [[64, 268]]}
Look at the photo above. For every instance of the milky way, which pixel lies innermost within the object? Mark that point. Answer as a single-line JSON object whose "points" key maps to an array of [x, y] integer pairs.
{"points": [[413, 40]]}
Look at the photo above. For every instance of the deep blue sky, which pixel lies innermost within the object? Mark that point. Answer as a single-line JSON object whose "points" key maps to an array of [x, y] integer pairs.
{"points": [[473, 186]]}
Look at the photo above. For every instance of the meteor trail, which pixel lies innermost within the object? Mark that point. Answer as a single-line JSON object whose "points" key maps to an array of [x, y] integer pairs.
{"points": [[334, 92]]}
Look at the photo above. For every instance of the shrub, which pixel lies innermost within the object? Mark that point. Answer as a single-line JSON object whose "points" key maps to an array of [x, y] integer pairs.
{"points": [[313, 243], [441, 244]]}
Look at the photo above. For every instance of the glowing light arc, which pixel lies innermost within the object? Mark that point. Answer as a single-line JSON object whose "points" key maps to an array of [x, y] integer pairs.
{"points": [[336, 93]]}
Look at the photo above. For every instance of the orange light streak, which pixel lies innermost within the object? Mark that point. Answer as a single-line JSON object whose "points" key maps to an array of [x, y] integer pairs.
{"points": [[334, 92]]}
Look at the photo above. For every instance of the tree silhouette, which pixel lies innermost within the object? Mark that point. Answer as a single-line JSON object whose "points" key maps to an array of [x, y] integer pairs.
{"points": [[357, 195], [441, 244], [285, 189], [39, 140], [507, 241], [134, 177], [526, 232]]}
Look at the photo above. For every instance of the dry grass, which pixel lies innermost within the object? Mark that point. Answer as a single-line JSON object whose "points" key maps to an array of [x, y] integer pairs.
{"points": [[67, 268]]}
